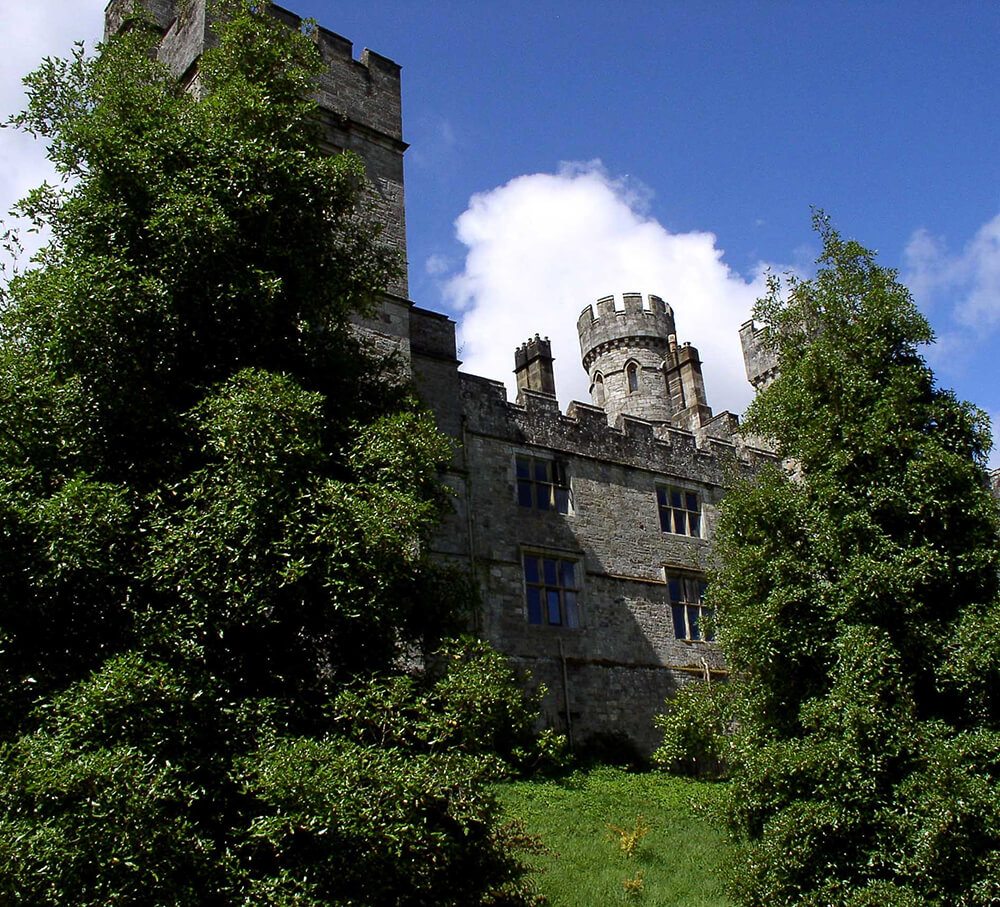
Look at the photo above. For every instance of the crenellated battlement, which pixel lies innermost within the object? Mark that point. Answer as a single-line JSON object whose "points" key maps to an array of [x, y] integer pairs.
{"points": [[644, 319], [360, 106], [584, 430], [366, 90], [759, 358]]}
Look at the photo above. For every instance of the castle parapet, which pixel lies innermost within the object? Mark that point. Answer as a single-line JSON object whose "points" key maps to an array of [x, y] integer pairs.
{"points": [[119, 14], [360, 106], [759, 358], [649, 319]]}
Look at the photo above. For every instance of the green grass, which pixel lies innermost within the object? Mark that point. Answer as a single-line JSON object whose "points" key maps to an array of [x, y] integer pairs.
{"points": [[681, 858]]}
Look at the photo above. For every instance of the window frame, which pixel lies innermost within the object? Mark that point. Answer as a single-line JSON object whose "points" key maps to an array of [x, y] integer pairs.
{"points": [[633, 377], [597, 391], [546, 592], [543, 484], [686, 598], [679, 518]]}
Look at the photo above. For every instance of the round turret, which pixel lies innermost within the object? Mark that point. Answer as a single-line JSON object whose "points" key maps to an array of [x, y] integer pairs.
{"points": [[623, 354]]}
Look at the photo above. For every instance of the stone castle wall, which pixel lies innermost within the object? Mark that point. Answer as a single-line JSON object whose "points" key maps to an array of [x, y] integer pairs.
{"points": [[360, 100], [612, 673], [612, 339], [609, 672], [761, 362]]}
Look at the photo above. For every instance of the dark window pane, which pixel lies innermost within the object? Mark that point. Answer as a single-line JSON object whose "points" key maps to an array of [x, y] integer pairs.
{"points": [[534, 605], [550, 568], [559, 473], [680, 522], [541, 471], [562, 500], [524, 493], [523, 467], [555, 615], [693, 621], [531, 569], [665, 519], [675, 499], [661, 497], [572, 617], [674, 587], [544, 493], [567, 578], [692, 502], [680, 631], [694, 522]]}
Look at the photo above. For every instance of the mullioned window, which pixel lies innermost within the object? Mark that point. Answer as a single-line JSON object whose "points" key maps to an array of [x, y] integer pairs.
{"points": [[542, 484], [687, 608], [680, 511], [551, 589]]}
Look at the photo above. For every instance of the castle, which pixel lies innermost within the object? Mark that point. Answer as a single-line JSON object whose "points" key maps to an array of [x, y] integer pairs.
{"points": [[587, 532]]}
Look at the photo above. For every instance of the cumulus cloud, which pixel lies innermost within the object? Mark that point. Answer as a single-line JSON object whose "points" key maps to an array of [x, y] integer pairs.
{"points": [[967, 281], [543, 246]]}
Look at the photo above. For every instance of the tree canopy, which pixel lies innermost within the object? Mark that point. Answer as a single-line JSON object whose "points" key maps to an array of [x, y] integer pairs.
{"points": [[214, 507], [856, 602]]}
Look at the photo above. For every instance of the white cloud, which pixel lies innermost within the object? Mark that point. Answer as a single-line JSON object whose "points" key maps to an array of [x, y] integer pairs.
{"points": [[968, 282], [543, 246], [34, 29], [437, 264]]}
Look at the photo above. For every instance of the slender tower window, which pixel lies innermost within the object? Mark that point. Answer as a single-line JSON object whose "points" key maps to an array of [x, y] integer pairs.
{"points": [[632, 374], [598, 391]]}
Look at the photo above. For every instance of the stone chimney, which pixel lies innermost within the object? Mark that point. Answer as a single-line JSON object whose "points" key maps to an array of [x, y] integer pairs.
{"points": [[533, 366]]}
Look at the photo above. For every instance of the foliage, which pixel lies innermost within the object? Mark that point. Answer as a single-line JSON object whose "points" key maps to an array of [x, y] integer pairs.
{"points": [[468, 701], [697, 725], [857, 602], [214, 512], [628, 839], [680, 860], [342, 819]]}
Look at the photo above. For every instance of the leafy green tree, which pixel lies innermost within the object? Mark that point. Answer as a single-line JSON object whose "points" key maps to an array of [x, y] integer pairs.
{"points": [[697, 724], [214, 507], [857, 602]]}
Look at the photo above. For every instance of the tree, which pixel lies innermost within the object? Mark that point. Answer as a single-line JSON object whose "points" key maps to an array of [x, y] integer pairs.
{"points": [[214, 507], [857, 605]]}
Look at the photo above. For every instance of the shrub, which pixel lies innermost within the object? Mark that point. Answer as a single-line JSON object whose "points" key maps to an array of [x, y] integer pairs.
{"points": [[696, 725]]}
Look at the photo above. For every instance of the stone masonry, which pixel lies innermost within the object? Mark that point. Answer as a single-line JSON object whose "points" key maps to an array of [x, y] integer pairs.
{"points": [[587, 532]]}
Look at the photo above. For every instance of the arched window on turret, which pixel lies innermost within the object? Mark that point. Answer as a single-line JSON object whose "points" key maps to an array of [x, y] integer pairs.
{"points": [[597, 391], [632, 377]]}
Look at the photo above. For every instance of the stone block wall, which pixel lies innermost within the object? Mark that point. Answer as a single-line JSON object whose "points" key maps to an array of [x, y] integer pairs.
{"points": [[760, 361], [360, 101], [607, 673], [609, 676], [613, 340]]}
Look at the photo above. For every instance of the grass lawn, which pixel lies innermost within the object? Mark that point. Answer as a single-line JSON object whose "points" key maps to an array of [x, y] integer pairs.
{"points": [[679, 862]]}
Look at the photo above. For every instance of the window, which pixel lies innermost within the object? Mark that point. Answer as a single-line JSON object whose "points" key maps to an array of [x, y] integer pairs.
{"points": [[632, 375], [680, 511], [598, 390], [542, 484], [551, 590], [685, 603]]}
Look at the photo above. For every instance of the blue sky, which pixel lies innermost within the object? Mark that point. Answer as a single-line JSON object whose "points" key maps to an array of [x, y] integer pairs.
{"points": [[564, 151]]}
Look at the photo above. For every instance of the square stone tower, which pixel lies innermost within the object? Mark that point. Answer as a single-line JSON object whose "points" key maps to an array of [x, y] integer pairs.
{"points": [[360, 101]]}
